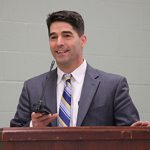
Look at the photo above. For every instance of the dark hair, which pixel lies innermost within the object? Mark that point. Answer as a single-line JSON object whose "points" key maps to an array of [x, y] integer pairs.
{"points": [[71, 17]]}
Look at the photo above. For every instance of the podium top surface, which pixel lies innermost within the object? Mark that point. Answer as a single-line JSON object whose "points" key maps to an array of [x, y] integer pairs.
{"points": [[75, 133]]}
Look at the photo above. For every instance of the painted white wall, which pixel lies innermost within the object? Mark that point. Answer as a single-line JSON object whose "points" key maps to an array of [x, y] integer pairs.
{"points": [[118, 41]]}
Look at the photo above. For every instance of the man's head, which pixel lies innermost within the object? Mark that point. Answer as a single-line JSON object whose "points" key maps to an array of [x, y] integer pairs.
{"points": [[66, 39], [71, 17]]}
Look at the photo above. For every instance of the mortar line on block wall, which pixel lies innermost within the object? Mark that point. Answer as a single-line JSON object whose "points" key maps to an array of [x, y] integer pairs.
{"points": [[11, 81]]}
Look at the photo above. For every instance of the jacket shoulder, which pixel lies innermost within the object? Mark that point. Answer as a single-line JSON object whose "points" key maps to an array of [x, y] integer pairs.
{"points": [[37, 79], [40, 79], [104, 75]]}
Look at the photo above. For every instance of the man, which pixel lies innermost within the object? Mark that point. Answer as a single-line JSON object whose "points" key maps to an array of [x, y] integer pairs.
{"points": [[97, 98]]}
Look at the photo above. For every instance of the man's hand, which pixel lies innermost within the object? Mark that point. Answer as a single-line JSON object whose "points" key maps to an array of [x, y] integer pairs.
{"points": [[40, 120], [141, 124]]}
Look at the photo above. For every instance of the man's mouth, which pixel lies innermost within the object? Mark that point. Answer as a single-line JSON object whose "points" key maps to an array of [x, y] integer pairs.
{"points": [[61, 51]]}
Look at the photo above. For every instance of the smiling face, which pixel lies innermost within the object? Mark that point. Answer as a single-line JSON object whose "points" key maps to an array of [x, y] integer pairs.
{"points": [[66, 46]]}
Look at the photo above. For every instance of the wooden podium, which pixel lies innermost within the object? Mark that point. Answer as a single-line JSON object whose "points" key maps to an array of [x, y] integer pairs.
{"points": [[75, 138]]}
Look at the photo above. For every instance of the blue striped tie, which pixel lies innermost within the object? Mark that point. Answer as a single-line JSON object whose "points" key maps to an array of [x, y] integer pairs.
{"points": [[65, 104]]}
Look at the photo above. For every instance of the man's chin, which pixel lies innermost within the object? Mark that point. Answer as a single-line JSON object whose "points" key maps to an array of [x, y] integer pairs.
{"points": [[62, 62]]}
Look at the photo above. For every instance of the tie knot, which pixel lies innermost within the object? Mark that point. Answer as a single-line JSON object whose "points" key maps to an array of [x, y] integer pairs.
{"points": [[67, 77]]}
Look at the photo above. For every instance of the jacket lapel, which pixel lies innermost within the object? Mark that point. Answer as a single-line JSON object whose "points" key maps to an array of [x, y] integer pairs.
{"points": [[91, 82], [50, 93]]}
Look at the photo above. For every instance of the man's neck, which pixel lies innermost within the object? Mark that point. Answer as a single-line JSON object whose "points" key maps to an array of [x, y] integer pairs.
{"points": [[69, 68]]}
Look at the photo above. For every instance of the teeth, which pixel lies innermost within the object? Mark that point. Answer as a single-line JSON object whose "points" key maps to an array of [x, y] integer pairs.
{"points": [[60, 52]]}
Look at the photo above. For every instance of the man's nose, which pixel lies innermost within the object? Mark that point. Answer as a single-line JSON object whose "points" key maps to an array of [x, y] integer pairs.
{"points": [[60, 41]]}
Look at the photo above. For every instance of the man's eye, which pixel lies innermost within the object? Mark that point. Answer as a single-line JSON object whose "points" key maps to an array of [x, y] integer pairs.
{"points": [[53, 37], [67, 35]]}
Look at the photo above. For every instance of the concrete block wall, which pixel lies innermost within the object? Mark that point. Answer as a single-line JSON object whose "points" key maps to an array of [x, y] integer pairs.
{"points": [[118, 41]]}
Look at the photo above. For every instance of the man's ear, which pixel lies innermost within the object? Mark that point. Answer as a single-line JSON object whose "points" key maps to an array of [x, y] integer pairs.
{"points": [[83, 40]]}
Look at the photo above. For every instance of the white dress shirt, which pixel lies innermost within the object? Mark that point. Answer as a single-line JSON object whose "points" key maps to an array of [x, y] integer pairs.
{"points": [[76, 84]]}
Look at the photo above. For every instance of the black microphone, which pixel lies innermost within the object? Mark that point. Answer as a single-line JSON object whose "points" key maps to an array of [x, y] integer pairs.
{"points": [[40, 107]]}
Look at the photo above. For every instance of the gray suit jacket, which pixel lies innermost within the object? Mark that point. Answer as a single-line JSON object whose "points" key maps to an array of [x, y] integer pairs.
{"points": [[104, 100]]}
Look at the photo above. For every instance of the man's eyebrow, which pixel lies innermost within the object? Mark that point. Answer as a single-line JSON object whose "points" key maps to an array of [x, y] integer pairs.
{"points": [[53, 33], [63, 32], [67, 32]]}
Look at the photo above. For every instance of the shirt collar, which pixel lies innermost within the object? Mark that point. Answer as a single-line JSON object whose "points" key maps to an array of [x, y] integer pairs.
{"points": [[60, 75], [78, 74]]}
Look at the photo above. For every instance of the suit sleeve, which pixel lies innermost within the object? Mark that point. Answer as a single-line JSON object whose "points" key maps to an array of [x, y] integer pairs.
{"points": [[125, 113], [23, 113]]}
